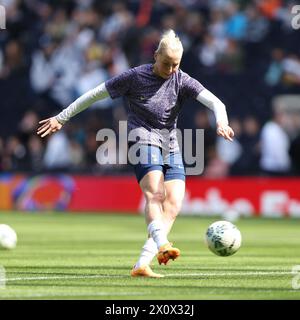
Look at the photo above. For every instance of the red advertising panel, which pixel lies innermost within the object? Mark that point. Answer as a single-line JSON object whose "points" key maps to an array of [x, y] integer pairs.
{"points": [[274, 197], [105, 193]]}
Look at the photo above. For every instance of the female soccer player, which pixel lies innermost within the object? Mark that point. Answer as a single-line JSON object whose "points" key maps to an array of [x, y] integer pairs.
{"points": [[155, 93]]}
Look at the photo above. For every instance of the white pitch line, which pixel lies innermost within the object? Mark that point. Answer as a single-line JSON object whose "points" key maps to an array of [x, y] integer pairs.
{"points": [[200, 274], [65, 277], [224, 274], [66, 294]]}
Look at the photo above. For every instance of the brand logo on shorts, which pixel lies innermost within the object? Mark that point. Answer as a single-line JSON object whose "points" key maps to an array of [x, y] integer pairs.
{"points": [[154, 158]]}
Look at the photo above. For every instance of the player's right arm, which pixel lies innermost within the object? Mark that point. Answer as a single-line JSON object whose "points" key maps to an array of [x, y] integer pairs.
{"points": [[53, 124], [193, 88]]}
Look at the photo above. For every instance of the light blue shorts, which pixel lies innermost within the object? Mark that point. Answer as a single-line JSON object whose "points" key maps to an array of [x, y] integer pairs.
{"points": [[153, 158]]}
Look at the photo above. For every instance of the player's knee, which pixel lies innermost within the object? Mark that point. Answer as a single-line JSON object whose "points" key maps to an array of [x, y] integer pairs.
{"points": [[155, 196]]}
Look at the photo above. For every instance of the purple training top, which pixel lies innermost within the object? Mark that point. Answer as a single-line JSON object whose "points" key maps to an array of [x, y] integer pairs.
{"points": [[153, 102]]}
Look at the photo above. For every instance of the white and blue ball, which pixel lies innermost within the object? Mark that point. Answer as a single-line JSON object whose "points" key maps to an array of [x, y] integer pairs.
{"points": [[223, 238]]}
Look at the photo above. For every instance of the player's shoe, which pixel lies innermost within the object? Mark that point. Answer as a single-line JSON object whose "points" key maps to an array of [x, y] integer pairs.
{"points": [[145, 271], [166, 253]]}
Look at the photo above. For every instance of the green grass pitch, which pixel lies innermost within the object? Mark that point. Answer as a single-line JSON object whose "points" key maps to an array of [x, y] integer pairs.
{"points": [[89, 256]]}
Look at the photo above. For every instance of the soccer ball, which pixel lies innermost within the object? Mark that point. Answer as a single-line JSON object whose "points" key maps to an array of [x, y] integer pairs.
{"points": [[8, 237], [223, 238]]}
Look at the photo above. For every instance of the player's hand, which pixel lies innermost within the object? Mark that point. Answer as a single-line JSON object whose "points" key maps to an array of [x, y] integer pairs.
{"points": [[225, 131], [48, 126]]}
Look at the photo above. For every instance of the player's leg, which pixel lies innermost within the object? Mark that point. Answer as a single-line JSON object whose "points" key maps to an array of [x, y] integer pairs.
{"points": [[152, 185], [174, 186], [151, 181], [171, 207], [174, 194], [175, 189], [172, 204]]}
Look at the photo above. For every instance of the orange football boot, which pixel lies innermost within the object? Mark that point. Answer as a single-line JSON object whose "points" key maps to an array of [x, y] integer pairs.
{"points": [[145, 271], [166, 253]]}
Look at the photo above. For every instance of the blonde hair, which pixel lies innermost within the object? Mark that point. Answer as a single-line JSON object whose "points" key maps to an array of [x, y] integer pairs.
{"points": [[169, 40]]}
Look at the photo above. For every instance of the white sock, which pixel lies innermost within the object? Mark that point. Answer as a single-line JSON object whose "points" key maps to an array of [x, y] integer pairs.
{"points": [[149, 251], [158, 232]]}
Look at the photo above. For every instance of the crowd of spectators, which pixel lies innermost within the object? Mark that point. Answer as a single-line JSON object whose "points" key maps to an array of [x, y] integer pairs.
{"points": [[51, 52]]}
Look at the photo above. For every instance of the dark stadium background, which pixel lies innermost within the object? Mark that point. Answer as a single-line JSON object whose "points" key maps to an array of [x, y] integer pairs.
{"points": [[246, 52]]}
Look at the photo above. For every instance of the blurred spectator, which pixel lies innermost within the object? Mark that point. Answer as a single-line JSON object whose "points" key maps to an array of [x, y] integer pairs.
{"points": [[14, 87], [15, 155], [116, 23], [230, 151], [93, 73], [257, 25], [282, 13], [216, 167], [275, 144], [269, 7], [1, 61], [58, 154], [202, 121], [29, 122], [1, 153], [13, 62], [248, 161], [291, 70], [209, 52], [217, 26], [148, 44], [26, 132], [294, 152], [274, 72], [193, 29], [231, 58], [236, 22], [76, 155], [55, 68], [35, 151]]}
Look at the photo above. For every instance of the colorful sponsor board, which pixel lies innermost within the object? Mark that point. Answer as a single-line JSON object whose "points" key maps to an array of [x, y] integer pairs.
{"points": [[66, 192], [270, 197], [44, 192]]}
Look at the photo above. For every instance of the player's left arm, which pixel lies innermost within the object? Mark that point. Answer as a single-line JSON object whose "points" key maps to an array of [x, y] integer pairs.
{"points": [[54, 124], [217, 106]]}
